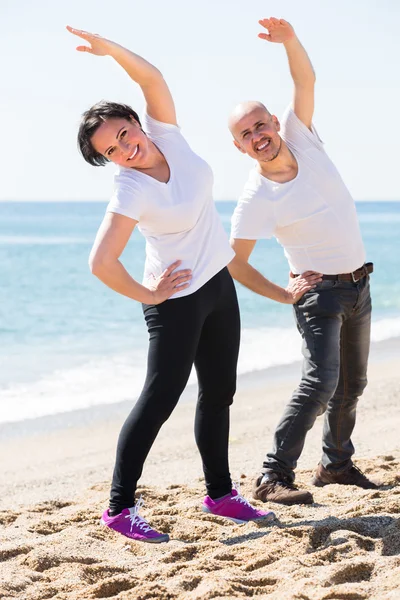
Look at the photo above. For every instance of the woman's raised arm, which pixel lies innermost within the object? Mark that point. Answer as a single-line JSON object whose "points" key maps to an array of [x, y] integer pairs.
{"points": [[159, 102]]}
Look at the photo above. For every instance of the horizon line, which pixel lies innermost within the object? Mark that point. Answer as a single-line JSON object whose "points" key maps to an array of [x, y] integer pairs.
{"points": [[89, 200]]}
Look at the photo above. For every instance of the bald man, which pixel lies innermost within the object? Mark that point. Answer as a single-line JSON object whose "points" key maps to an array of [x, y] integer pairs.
{"points": [[296, 194]]}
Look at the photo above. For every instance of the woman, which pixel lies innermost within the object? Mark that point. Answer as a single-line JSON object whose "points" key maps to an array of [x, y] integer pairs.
{"points": [[191, 313]]}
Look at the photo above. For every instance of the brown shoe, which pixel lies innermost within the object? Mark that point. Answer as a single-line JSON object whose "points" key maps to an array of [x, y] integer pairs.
{"points": [[273, 488], [352, 476]]}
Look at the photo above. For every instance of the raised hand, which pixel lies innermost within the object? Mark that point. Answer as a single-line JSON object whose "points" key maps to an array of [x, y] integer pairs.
{"points": [[169, 283], [99, 46], [279, 30], [298, 286]]}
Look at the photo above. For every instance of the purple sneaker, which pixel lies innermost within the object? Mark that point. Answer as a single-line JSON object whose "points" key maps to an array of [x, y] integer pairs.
{"points": [[131, 524], [235, 508]]}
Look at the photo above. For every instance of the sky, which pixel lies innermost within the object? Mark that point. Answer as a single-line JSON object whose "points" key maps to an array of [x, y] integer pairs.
{"points": [[211, 58]]}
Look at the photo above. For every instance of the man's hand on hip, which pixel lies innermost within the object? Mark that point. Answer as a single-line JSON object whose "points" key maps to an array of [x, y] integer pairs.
{"points": [[301, 284]]}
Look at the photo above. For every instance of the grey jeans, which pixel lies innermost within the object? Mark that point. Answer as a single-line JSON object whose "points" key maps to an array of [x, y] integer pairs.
{"points": [[334, 320]]}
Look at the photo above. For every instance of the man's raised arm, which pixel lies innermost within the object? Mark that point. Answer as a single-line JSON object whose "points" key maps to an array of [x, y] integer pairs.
{"points": [[301, 69]]}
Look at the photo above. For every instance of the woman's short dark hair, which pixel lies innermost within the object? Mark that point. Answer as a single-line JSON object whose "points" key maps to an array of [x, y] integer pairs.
{"points": [[91, 121]]}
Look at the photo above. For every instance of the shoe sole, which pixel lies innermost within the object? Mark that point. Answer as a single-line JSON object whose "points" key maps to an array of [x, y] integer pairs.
{"points": [[319, 483], [292, 503], [269, 517], [158, 540]]}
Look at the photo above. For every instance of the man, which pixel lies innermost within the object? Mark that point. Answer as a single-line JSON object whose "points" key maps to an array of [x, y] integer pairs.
{"points": [[296, 194]]}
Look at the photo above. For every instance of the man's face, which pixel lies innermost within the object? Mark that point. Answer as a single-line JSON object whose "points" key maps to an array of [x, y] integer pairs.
{"points": [[256, 134], [121, 141]]}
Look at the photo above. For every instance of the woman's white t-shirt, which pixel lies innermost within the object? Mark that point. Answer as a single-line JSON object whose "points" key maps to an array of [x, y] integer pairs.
{"points": [[178, 219]]}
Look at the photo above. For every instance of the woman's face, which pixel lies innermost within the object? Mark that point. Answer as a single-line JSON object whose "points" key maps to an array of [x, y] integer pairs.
{"points": [[122, 141]]}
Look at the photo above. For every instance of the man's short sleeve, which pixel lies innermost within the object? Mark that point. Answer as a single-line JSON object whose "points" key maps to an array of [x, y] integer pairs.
{"points": [[296, 134], [127, 198], [253, 218]]}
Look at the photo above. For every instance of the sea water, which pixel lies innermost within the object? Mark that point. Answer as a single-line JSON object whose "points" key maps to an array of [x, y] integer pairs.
{"points": [[68, 342]]}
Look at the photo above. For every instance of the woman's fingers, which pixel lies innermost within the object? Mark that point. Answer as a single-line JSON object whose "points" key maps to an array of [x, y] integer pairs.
{"points": [[179, 274], [182, 279], [84, 49], [178, 288], [172, 275], [171, 268], [80, 33], [77, 32], [171, 281]]}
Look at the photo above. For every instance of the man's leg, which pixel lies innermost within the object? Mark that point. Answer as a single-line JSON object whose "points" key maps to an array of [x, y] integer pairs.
{"points": [[340, 416], [320, 329], [319, 315]]}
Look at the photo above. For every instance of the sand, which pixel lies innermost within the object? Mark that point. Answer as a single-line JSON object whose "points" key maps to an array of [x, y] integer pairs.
{"points": [[54, 485]]}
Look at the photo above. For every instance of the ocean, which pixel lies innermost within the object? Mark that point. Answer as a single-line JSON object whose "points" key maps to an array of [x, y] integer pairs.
{"points": [[67, 342]]}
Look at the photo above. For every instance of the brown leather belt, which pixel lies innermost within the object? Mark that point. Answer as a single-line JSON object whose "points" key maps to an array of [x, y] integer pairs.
{"points": [[351, 277], [354, 276]]}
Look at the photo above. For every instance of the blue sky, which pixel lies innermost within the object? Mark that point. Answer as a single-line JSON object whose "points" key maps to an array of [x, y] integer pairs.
{"points": [[212, 59]]}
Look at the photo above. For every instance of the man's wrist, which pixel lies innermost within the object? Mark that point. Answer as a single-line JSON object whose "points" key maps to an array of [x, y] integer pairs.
{"points": [[287, 297]]}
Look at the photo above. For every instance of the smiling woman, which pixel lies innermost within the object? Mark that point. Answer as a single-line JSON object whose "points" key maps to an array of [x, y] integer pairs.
{"points": [[107, 123], [166, 189]]}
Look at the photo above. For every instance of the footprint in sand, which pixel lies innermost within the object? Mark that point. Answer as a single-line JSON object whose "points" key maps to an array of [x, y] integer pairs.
{"points": [[11, 551], [188, 585], [49, 507], [93, 573], [113, 586], [183, 554], [8, 517], [46, 527], [40, 561], [352, 573]]}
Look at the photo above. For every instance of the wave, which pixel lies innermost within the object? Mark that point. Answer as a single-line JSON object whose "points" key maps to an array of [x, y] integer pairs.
{"points": [[113, 379], [384, 329], [22, 240]]}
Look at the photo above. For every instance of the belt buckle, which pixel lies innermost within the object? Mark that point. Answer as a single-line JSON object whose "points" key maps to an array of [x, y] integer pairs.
{"points": [[364, 273]]}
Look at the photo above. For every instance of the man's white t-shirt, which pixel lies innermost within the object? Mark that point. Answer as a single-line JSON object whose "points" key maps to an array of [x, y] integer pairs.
{"points": [[313, 216], [178, 219]]}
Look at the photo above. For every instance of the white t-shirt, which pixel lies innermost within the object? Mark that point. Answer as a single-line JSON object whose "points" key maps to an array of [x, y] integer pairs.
{"points": [[313, 216], [178, 219]]}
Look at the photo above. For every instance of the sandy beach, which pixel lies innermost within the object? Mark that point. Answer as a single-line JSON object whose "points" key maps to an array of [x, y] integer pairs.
{"points": [[54, 485]]}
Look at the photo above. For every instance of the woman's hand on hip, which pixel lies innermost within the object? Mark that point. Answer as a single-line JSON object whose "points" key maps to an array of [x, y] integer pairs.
{"points": [[169, 283]]}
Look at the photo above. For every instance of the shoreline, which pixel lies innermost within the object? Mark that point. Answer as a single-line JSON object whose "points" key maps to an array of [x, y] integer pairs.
{"points": [[383, 351]]}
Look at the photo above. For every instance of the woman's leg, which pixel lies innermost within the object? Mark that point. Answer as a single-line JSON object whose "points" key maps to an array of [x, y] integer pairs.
{"points": [[216, 364], [174, 330]]}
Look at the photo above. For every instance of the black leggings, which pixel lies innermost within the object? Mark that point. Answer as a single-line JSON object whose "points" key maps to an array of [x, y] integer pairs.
{"points": [[202, 328]]}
